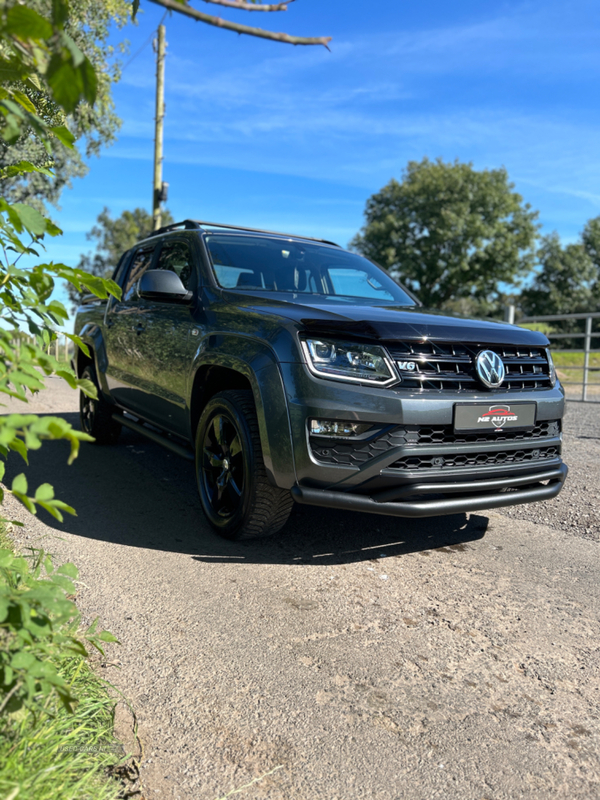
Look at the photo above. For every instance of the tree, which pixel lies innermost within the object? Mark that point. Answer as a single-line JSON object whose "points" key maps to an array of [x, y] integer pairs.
{"points": [[450, 233], [568, 278], [113, 237], [89, 25]]}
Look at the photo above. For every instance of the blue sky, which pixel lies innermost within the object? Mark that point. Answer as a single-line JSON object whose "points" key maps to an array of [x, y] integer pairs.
{"points": [[296, 138]]}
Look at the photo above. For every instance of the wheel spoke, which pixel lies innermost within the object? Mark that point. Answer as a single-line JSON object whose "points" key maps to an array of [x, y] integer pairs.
{"points": [[212, 460], [233, 492], [219, 432], [235, 448]]}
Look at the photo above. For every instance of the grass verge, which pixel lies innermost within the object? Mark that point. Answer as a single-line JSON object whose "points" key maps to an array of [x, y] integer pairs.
{"points": [[50, 750]]}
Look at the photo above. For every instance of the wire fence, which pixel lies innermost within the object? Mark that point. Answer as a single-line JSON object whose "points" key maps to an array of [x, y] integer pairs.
{"points": [[577, 361], [62, 348]]}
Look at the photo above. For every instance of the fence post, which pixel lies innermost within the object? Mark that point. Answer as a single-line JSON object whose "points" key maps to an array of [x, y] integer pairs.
{"points": [[509, 314], [586, 356]]}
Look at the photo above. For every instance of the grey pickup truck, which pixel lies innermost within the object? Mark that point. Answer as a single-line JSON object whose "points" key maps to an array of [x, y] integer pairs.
{"points": [[289, 369]]}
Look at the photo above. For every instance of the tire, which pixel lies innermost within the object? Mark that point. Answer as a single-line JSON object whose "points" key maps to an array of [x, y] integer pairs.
{"points": [[96, 415], [236, 496]]}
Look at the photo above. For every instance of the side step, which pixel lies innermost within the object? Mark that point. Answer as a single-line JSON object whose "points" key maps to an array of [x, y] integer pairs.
{"points": [[156, 437]]}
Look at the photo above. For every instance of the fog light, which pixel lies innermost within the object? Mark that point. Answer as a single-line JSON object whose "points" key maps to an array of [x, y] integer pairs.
{"points": [[333, 427]]}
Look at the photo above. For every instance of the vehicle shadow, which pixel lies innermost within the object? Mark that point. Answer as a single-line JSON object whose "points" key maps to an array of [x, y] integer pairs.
{"points": [[139, 495]]}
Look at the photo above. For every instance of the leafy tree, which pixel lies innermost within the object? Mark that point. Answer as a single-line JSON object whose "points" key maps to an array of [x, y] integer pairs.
{"points": [[113, 237], [568, 278], [88, 25], [450, 232], [591, 241]]}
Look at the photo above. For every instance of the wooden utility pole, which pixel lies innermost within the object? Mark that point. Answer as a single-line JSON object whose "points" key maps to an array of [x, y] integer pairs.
{"points": [[157, 194]]}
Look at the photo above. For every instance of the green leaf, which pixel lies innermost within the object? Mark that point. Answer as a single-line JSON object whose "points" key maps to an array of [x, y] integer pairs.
{"points": [[60, 12], [23, 660], [2, 469], [27, 24], [26, 166], [19, 447], [64, 81], [87, 387], [106, 636], [70, 570], [19, 484], [44, 492], [64, 135], [31, 219], [51, 510], [6, 558], [27, 502], [64, 507], [64, 583]]}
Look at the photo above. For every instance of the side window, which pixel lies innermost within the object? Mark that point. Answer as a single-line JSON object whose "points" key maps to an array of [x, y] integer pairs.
{"points": [[177, 257], [140, 263]]}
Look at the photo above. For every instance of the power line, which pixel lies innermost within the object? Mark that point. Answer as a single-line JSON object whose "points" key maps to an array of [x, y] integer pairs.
{"points": [[146, 43]]}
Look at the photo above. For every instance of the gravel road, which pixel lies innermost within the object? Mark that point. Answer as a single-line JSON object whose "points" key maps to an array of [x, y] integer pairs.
{"points": [[351, 657]]}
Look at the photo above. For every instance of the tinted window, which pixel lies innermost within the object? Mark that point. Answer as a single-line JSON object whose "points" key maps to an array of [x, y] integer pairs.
{"points": [[177, 257], [260, 264], [140, 263]]}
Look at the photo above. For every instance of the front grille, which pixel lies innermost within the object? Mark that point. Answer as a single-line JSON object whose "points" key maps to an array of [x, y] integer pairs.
{"points": [[453, 461], [334, 451], [443, 366]]}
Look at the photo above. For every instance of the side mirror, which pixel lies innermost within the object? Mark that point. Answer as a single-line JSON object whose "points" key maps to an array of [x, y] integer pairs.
{"points": [[163, 285]]}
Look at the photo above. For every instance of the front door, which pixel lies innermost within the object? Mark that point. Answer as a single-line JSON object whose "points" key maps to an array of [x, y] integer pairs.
{"points": [[164, 344], [124, 330]]}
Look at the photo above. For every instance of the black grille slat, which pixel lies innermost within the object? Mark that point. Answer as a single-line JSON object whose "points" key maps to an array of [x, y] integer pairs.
{"points": [[469, 460], [331, 451], [450, 366]]}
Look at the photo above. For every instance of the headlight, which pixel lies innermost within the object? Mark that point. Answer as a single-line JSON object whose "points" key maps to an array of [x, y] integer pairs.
{"points": [[551, 368], [360, 363]]}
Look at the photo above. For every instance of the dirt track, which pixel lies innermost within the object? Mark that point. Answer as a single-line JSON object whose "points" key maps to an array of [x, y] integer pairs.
{"points": [[353, 656]]}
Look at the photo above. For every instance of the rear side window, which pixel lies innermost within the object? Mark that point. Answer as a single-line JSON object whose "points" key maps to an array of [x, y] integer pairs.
{"points": [[176, 256], [141, 261]]}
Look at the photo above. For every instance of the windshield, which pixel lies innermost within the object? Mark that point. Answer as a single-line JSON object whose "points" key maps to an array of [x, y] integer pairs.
{"points": [[256, 263]]}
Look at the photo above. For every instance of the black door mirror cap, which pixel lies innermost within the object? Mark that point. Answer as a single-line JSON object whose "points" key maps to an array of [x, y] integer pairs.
{"points": [[163, 285]]}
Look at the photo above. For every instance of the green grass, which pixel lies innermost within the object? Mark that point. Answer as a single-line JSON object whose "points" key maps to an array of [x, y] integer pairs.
{"points": [[62, 756], [47, 753], [569, 366]]}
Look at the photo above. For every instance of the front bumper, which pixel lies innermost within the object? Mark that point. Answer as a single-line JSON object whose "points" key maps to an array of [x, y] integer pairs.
{"points": [[404, 473], [474, 496]]}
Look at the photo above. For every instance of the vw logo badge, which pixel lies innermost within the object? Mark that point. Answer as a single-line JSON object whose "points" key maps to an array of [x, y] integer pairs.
{"points": [[490, 368]]}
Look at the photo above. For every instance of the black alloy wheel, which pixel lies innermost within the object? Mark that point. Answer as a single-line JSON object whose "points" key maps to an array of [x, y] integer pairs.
{"points": [[223, 466], [235, 492]]}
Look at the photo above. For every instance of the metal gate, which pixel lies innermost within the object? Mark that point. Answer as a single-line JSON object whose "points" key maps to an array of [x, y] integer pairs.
{"points": [[572, 329]]}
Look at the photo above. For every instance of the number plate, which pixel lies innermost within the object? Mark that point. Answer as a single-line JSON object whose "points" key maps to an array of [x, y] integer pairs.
{"points": [[494, 416]]}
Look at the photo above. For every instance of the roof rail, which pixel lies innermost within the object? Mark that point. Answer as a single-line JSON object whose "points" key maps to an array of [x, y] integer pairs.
{"points": [[202, 223], [193, 224], [187, 224]]}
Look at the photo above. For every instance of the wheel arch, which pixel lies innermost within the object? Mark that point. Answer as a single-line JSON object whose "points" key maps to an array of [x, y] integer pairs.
{"points": [[258, 372]]}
